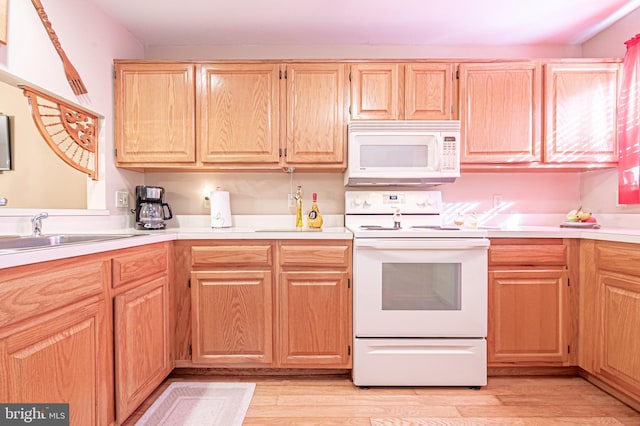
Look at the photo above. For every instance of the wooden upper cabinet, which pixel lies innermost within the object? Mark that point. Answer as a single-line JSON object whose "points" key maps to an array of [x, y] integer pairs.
{"points": [[375, 91], [315, 119], [269, 115], [388, 91], [238, 113], [154, 113], [581, 112], [500, 112], [428, 91]]}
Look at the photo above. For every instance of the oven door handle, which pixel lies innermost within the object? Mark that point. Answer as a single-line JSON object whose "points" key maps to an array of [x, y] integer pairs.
{"points": [[424, 244]]}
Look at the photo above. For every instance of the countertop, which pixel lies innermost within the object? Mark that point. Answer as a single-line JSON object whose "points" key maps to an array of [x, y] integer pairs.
{"points": [[43, 254], [626, 235], [10, 259]]}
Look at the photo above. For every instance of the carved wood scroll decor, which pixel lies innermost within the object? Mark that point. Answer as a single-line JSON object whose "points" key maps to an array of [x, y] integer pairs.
{"points": [[70, 131], [4, 17]]}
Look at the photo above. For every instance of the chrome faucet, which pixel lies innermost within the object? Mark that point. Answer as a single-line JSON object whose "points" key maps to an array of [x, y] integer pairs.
{"points": [[3, 201], [36, 223]]}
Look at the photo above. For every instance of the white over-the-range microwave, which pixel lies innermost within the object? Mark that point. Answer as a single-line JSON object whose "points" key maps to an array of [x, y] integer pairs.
{"points": [[403, 152]]}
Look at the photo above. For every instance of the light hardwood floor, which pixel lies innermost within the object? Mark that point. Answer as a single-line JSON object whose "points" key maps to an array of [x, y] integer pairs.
{"points": [[334, 400]]}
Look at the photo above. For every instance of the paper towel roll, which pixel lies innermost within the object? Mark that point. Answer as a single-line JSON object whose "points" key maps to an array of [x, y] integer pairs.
{"points": [[220, 209]]}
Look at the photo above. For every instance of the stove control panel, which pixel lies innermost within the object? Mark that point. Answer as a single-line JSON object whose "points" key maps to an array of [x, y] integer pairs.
{"points": [[380, 202]]}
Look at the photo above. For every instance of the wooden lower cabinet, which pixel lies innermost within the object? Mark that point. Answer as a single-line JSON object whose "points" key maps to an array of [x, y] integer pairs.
{"points": [[232, 317], [610, 314], [141, 324], [530, 304], [59, 359], [243, 316], [529, 316], [54, 341], [314, 319], [60, 322], [620, 334], [142, 355]]}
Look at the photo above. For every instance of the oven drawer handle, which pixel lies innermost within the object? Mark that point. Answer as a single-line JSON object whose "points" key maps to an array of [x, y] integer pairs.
{"points": [[424, 350], [480, 244]]}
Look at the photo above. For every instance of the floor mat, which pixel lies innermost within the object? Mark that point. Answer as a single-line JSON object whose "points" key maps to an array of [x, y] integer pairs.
{"points": [[200, 404]]}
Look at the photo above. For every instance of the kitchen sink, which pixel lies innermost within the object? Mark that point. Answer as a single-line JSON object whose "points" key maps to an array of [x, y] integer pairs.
{"points": [[14, 243], [289, 230]]}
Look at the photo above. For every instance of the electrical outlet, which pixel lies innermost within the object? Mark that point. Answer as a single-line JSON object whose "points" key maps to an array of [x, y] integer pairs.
{"points": [[291, 200], [497, 201], [207, 203], [122, 199]]}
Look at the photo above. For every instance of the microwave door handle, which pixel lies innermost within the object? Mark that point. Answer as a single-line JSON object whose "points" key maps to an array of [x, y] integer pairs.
{"points": [[440, 141]]}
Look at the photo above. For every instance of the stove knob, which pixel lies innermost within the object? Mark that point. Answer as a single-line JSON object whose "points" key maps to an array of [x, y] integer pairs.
{"points": [[366, 202], [421, 202], [356, 201]]}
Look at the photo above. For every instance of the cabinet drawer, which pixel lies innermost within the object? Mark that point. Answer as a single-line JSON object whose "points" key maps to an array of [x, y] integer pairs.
{"points": [[310, 255], [618, 257], [31, 290], [528, 254], [256, 255], [139, 262]]}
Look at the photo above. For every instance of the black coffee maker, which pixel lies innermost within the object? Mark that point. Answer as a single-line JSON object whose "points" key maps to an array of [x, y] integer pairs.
{"points": [[151, 210]]}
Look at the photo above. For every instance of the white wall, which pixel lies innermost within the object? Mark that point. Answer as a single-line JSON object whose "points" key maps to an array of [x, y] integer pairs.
{"points": [[62, 187], [610, 41], [266, 193], [91, 40], [600, 188], [359, 52]]}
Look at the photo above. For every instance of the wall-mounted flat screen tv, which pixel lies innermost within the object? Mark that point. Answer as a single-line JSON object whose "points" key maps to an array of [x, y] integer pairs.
{"points": [[5, 142]]}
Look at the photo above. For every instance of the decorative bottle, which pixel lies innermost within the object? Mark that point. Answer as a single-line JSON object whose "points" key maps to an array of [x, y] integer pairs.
{"points": [[314, 218], [473, 220], [299, 223]]}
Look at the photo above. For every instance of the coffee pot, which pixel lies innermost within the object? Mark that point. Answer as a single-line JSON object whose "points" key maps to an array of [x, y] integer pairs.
{"points": [[151, 210]]}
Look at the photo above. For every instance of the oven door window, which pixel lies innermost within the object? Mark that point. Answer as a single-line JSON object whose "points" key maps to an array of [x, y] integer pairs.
{"points": [[421, 287]]}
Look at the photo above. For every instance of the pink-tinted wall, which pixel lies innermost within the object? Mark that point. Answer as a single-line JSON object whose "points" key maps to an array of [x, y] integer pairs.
{"points": [[599, 188], [91, 40]]}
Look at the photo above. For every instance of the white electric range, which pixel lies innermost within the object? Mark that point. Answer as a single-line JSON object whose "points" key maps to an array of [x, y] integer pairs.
{"points": [[419, 292]]}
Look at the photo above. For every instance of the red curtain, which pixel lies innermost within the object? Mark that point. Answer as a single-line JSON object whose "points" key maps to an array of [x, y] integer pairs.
{"points": [[629, 125]]}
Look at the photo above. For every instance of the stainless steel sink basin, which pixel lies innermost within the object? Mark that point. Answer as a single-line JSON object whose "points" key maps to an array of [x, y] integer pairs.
{"points": [[29, 243]]}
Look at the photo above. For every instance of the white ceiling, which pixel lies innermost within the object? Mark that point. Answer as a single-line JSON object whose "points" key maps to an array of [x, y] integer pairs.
{"points": [[373, 22]]}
